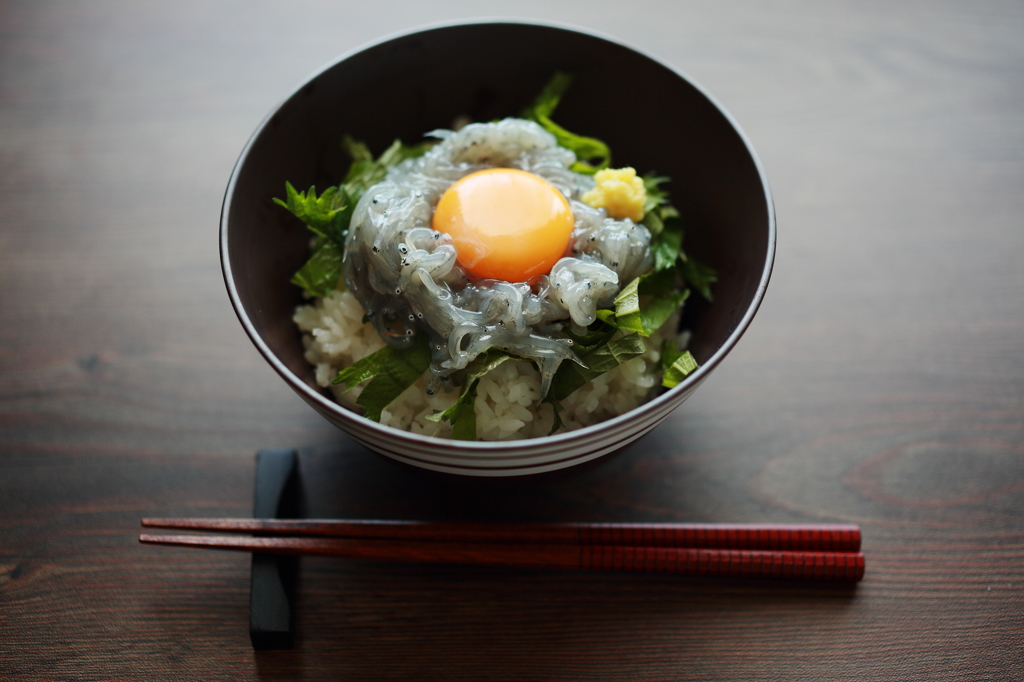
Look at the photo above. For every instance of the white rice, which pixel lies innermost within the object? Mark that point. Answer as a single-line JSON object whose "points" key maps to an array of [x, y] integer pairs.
{"points": [[507, 399]]}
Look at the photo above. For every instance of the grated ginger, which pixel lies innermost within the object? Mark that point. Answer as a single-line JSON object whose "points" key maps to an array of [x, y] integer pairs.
{"points": [[619, 192]]}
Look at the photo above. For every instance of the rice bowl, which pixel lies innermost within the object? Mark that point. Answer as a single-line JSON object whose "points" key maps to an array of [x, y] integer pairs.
{"points": [[717, 181]]}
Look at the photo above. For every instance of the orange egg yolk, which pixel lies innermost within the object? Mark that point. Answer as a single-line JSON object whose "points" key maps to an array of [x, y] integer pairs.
{"points": [[507, 224]]}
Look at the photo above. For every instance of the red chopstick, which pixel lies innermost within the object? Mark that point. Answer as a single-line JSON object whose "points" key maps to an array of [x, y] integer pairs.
{"points": [[823, 537], [808, 565]]}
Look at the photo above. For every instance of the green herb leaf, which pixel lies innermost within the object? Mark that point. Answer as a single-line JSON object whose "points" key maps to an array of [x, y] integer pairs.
{"points": [[486, 361], [399, 152], [656, 196], [462, 414], [328, 216], [400, 371], [654, 224], [464, 421], [366, 368], [628, 300], [321, 214], [675, 366], [657, 311], [549, 97], [322, 272], [627, 308], [588, 150], [658, 283], [596, 334], [668, 244], [556, 421], [657, 210], [660, 297], [698, 276], [570, 376], [646, 303], [592, 154], [365, 172]]}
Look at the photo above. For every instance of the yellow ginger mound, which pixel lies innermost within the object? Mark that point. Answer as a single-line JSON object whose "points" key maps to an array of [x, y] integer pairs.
{"points": [[619, 192]]}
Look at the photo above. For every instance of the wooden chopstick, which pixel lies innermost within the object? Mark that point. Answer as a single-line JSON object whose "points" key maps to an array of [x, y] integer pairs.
{"points": [[810, 565], [764, 537]]}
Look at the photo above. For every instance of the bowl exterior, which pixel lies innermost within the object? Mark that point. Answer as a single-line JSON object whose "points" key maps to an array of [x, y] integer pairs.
{"points": [[717, 182], [512, 458]]}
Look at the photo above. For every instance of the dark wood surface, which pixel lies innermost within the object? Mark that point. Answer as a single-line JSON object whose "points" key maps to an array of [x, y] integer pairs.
{"points": [[882, 382]]}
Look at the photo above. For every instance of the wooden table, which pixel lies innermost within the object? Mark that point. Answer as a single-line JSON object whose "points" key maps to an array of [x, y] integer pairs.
{"points": [[882, 382]]}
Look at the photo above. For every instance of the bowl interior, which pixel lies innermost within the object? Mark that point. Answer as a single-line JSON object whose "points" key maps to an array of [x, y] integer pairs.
{"points": [[652, 118]]}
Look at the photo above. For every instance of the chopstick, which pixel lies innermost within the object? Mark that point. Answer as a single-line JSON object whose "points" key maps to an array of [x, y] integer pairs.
{"points": [[820, 537], [816, 552], [811, 565]]}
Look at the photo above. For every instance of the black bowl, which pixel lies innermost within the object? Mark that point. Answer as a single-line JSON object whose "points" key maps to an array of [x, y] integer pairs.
{"points": [[653, 118]]}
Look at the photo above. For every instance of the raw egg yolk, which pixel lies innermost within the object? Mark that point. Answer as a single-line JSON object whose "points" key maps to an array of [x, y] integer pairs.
{"points": [[507, 224]]}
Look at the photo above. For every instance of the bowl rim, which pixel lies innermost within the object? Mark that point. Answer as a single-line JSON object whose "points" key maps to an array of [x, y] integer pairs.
{"points": [[308, 392]]}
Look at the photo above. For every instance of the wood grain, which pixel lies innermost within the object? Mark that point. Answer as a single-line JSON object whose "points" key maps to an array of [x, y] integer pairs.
{"points": [[881, 384]]}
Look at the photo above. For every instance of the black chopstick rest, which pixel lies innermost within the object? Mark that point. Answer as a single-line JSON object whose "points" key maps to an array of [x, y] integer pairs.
{"points": [[272, 580]]}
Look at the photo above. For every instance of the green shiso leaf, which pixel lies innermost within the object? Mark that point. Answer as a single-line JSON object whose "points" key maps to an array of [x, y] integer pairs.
{"points": [[323, 215], [675, 365], [462, 414], [592, 154], [570, 375], [400, 371], [464, 420], [656, 206], [668, 244], [328, 216], [698, 276], [658, 283], [646, 303], [366, 368], [556, 421], [322, 272], [597, 333], [664, 223], [627, 308], [661, 296], [547, 101], [365, 172], [628, 300], [666, 228], [657, 311], [656, 196]]}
